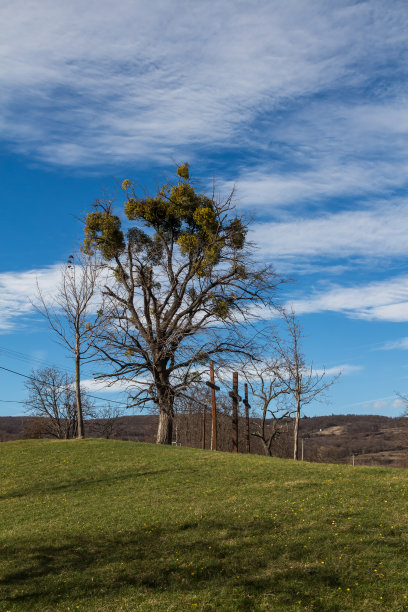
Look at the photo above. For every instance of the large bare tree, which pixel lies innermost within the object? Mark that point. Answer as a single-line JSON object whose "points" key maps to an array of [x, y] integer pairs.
{"points": [[182, 283], [73, 314]]}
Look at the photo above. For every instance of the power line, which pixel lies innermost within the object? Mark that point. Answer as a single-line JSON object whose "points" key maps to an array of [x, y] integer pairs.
{"points": [[103, 399], [22, 356], [19, 373], [30, 359]]}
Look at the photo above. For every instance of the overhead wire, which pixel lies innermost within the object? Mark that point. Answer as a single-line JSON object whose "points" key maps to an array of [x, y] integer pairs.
{"points": [[103, 399], [30, 359]]}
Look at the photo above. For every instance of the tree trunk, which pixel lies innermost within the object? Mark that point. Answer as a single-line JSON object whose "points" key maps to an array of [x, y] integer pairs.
{"points": [[80, 421], [296, 430], [203, 423], [267, 448], [165, 429], [165, 400], [235, 412], [247, 436], [213, 410]]}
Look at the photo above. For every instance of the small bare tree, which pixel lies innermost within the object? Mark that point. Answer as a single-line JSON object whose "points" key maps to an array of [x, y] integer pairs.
{"points": [[267, 390], [51, 397], [403, 403], [72, 314], [188, 422], [106, 422], [302, 382]]}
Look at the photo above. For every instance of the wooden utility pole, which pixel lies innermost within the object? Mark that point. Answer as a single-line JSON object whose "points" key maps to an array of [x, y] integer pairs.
{"points": [[213, 388], [203, 427], [235, 400], [247, 407]]}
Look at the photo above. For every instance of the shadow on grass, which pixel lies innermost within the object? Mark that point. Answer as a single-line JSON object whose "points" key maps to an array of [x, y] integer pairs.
{"points": [[80, 483], [173, 562]]}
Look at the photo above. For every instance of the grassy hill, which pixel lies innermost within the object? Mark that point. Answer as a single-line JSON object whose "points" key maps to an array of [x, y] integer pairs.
{"points": [[108, 525]]}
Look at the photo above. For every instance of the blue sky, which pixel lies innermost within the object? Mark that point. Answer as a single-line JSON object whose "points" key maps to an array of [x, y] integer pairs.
{"points": [[302, 104]]}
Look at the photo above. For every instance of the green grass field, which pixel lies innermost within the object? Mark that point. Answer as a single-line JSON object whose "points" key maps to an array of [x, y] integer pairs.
{"points": [[106, 525]]}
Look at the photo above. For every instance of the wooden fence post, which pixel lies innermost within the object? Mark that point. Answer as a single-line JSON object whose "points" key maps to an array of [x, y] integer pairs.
{"points": [[213, 409], [213, 388], [235, 399], [247, 407], [203, 428]]}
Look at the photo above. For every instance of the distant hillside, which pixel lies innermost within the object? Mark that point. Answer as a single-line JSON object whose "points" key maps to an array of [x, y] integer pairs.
{"points": [[373, 440]]}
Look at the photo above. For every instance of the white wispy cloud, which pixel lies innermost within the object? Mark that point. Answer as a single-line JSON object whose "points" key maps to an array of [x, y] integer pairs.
{"points": [[369, 232], [389, 404], [402, 343], [133, 80], [18, 290], [381, 300], [106, 385], [326, 154], [277, 188], [343, 370], [19, 296]]}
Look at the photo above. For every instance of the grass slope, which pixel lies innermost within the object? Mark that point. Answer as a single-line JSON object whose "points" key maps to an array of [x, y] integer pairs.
{"points": [[106, 525]]}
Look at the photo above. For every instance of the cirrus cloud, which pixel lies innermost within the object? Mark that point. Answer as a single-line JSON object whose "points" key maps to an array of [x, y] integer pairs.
{"points": [[380, 300], [82, 82]]}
